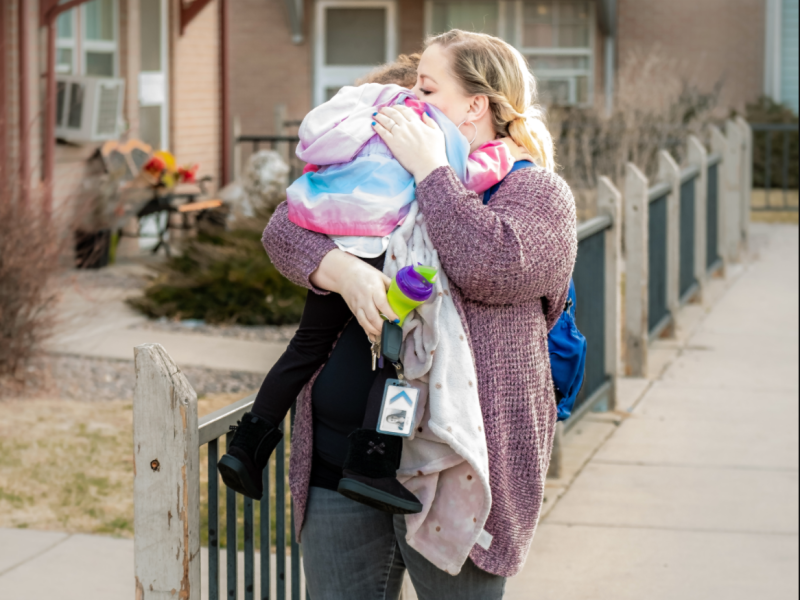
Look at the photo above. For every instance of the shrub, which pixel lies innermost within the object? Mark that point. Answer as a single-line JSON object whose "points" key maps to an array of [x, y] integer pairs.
{"points": [[766, 110], [29, 259], [654, 109], [223, 277]]}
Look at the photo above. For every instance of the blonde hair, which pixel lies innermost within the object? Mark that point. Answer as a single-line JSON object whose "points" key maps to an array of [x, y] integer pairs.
{"points": [[488, 66]]}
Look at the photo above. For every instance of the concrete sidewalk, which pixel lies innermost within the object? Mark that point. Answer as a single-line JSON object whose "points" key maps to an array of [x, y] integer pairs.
{"points": [[689, 491], [695, 495], [97, 323]]}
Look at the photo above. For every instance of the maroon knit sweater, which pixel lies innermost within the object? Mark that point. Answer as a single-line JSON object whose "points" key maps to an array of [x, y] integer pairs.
{"points": [[509, 265]]}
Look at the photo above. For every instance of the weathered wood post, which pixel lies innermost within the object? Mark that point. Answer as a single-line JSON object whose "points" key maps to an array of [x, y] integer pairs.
{"points": [[668, 171], [609, 202], [731, 186], [698, 156], [746, 177], [166, 482], [637, 211], [719, 145]]}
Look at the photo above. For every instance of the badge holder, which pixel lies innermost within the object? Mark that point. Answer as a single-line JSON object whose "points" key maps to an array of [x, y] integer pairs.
{"points": [[399, 405]]}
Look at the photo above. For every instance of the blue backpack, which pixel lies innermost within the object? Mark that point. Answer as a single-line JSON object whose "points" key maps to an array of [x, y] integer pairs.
{"points": [[566, 344]]}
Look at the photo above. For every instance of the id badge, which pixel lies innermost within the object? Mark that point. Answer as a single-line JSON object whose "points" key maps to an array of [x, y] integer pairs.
{"points": [[398, 408]]}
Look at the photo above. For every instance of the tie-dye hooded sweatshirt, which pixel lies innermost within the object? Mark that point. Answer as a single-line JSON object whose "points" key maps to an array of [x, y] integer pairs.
{"points": [[356, 187]]}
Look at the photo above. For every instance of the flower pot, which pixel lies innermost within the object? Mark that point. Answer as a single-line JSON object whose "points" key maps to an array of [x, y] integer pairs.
{"points": [[92, 248]]}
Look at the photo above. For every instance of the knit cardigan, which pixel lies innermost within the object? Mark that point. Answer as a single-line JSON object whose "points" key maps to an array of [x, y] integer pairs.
{"points": [[509, 264]]}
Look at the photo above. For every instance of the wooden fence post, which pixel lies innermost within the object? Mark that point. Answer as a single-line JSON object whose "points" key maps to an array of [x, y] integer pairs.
{"points": [[698, 156], [732, 191], [669, 172], [637, 210], [746, 177], [719, 145], [609, 202], [166, 482]]}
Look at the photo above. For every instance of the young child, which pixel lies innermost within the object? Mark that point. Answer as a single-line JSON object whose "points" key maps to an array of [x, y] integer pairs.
{"points": [[358, 203]]}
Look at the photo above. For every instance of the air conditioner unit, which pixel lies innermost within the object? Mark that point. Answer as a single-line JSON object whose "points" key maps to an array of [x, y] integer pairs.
{"points": [[88, 109]]}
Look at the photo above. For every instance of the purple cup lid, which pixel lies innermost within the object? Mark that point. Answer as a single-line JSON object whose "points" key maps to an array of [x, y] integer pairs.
{"points": [[414, 285]]}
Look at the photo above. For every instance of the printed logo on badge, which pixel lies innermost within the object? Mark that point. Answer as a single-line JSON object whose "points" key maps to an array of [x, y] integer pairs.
{"points": [[398, 408]]}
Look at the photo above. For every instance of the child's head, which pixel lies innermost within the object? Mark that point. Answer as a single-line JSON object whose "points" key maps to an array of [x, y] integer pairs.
{"points": [[460, 65], [402, 72]]}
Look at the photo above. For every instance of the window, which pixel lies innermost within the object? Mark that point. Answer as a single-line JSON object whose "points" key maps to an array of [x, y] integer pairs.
{"points": [[352, 37], [65, 43], [86, 40], [470, 15], [556, 36]]}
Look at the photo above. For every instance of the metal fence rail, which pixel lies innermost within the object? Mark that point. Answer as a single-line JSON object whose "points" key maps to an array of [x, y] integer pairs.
{"points": [[285, 144], [687, 279], [590, 281], [765, 161], [658, 315], [713, 259]]}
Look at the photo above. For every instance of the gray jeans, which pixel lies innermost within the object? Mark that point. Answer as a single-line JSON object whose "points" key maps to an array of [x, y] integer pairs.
{"points": [[353, 552]]}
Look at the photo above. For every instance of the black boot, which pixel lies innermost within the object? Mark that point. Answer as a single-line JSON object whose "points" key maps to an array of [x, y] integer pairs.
{"points": [[370, 473], [252, 445]]}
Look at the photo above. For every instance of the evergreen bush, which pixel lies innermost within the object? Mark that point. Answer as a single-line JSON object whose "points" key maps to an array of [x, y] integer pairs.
{"points": [[223, 277]]}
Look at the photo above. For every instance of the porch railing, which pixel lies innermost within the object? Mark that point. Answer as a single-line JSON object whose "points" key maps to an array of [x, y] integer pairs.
{"points": [[775, 159], [285, 145]]}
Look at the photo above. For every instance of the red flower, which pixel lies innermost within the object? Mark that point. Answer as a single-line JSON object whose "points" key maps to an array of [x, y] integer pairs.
{"points": [[188, 174], [155, 165]]}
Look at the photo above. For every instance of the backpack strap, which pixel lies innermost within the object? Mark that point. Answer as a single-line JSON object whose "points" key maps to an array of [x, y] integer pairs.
{"points": [[520, 164]]}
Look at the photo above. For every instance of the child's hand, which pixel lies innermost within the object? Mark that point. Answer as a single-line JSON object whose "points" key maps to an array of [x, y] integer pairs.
{"points": [[518, 152]]}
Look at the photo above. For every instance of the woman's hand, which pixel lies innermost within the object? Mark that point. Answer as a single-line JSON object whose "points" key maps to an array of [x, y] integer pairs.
{"points": [[362, 286], [418, 145]]}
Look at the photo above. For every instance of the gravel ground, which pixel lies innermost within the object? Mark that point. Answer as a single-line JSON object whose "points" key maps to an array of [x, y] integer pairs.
{"points": [[97, 379], [266, 333]]}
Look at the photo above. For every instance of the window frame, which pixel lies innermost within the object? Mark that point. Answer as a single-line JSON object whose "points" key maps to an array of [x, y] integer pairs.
{"points": [[68, 43], [112, 47], [570, 75], [510, 27], [502, 18], [331, 76]]}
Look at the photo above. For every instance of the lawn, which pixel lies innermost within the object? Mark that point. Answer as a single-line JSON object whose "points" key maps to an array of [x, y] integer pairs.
{"points": [[67, 465]]}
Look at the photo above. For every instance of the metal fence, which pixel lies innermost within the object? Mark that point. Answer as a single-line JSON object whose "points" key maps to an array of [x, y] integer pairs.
{"points": [[775, 160], [286, 145], [713, 259], [658, 315], [211, 429], [590, 288]]}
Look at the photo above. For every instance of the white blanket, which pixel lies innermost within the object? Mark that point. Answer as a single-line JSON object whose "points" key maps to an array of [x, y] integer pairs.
{"points": [[446, 461]]}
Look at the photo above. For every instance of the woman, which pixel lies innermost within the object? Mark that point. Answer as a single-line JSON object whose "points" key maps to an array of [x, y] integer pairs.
{"points": [[509, 264]]}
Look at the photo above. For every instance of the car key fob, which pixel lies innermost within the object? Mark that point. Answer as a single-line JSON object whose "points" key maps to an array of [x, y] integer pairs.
{"points": [[391, 340]]}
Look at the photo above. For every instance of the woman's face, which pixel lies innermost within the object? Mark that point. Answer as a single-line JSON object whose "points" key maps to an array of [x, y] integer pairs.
{"points": [[437, 85]]}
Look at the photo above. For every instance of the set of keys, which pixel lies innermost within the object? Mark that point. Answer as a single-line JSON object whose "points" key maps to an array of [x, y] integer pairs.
{"points": [[387, 346]]}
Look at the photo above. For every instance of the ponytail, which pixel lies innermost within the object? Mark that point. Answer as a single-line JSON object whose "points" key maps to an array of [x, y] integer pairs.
{"points": [[487, 65]]}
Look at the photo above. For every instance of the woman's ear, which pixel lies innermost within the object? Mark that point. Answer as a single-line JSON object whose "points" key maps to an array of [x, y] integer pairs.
{"points": [[478, 107]]}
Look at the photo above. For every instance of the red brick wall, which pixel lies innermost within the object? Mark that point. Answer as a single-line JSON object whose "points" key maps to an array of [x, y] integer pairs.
{"points": [[267, 69], [713, 39], [411, 14], [195, 92]]}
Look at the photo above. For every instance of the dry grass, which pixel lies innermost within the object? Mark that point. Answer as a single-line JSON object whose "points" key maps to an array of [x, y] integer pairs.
{"points": [[68, 465]]}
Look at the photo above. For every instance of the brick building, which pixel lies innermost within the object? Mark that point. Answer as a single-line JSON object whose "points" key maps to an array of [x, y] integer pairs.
{"points": [[158, 65], [281, 57], [296, 53]]}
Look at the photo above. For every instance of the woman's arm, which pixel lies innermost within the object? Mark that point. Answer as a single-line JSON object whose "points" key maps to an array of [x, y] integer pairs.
{"points": [[312, 260], [520, 247]]}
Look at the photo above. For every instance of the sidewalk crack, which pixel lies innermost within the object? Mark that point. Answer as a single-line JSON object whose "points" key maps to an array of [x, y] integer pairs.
{"points": [[35, 556]]}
